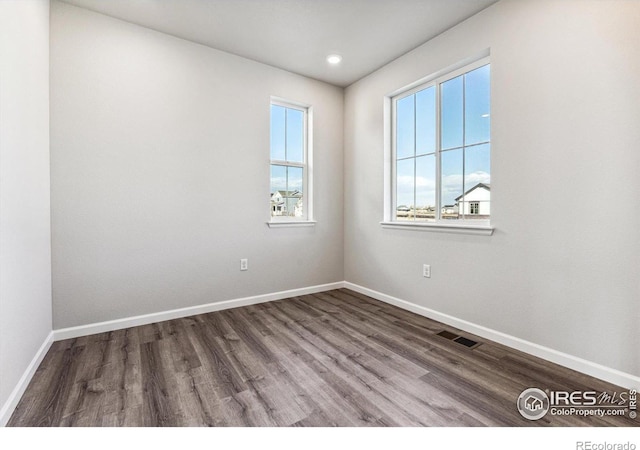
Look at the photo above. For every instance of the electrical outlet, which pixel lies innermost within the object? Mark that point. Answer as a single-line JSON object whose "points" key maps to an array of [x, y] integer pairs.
{"points": [[244, 264], [426, 271]]}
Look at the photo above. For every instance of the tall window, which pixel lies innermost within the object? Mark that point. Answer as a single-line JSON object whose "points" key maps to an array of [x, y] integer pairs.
{"points": [[289, 162], [441, 148]]}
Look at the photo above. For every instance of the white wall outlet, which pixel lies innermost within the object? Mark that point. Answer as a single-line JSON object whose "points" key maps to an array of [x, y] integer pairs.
{"points": [[426, 271], [244, 264]]}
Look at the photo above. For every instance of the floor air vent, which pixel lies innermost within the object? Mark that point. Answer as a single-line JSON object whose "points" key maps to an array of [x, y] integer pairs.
{"points": [[466, 342], [470, 343], [448, 335]]}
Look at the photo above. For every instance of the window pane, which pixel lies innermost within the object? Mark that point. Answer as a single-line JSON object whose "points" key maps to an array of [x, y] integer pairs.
{"points": [[451, 183], [295, 179], [278, 178], [294, 192], [425, 187], [477, 107], [405, 177], [477, 201], [277, 132], [278, 189], [295, 135], [477, 165], [451, 109], [405, 127], [426, 121]]}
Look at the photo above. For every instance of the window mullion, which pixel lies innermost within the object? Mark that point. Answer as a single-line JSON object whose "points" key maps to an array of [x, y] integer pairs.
{"points": [[415, 160], [278, 162], [286, 191], [464, 143], [438, 215], [286, 176], [286, 157], [305, 179]]}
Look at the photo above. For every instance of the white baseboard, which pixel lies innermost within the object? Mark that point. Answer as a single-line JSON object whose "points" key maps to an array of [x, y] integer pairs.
{"points": [[608, 374], [118, 324], [11, 403]]}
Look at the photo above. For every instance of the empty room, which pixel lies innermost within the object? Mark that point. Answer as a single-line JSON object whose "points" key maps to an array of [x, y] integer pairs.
{"points": [[299, 213]]}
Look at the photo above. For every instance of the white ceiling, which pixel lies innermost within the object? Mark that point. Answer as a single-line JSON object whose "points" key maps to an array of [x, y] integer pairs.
{"points": [[297, 35]]}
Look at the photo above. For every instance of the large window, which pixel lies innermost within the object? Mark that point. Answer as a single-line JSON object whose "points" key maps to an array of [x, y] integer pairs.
{"points": [[289, 162], [441, 146]]}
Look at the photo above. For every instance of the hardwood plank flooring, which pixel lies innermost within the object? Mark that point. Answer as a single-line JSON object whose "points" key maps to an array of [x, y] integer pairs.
{"points": [[336, 358]]}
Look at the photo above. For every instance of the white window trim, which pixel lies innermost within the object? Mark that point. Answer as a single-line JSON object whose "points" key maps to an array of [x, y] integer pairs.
{"points": [[478, 227], [307, 165], [440, 227], [291, 224]]}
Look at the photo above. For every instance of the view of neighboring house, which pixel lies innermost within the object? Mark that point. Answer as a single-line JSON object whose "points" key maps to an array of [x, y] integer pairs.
{"points": [[476, 202], [286, 203]]}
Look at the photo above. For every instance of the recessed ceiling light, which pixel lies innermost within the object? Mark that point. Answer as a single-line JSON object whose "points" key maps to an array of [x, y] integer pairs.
{"points": [[334, 59]]}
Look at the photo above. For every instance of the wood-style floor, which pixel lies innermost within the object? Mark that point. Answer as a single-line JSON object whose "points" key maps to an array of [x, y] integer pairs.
{"points": [[337, 358]]}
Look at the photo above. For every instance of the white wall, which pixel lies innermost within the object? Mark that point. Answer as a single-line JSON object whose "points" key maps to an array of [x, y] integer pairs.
{"points": [[160, 174], [565, 115], [25, 244]]}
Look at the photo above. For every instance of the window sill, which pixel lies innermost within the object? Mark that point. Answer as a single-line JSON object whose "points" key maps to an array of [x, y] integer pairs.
{"points": [[292, 224], [482, 230]]}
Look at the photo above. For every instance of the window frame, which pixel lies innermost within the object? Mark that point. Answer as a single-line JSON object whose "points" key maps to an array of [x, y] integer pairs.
{"points": [[390, 220], [306, 166]]}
